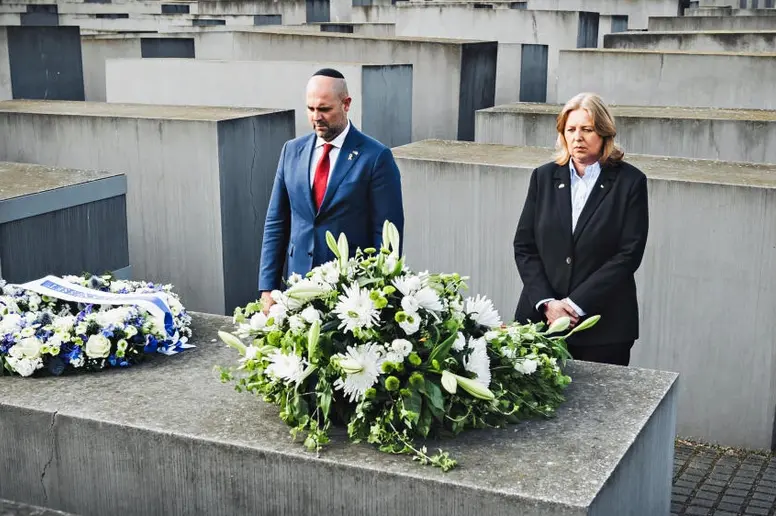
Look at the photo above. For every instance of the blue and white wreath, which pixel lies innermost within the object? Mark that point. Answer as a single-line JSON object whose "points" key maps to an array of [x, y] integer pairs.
{"points": [[61, 324]]}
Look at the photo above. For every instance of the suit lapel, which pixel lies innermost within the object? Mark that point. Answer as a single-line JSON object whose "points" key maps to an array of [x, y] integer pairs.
{"points": [[561, 185], [304, 160], [601, 189], [348, 156]]}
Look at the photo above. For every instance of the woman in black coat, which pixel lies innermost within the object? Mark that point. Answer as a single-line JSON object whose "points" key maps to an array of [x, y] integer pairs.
{"points": [[582, 233]]}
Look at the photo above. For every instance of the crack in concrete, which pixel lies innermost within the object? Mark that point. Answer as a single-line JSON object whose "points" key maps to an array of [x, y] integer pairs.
{"points": [[51, 456]]}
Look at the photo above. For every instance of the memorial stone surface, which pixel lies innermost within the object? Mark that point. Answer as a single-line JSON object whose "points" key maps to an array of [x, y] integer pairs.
{"points": [[382, 94], [451, 79], [211, 450], [61, 221], [292, 12], [704, 23], [529, 41], [41, 62], [198, 183], [672, 78], [98, 48], [718, 255], [703, 133], [711, 41]]}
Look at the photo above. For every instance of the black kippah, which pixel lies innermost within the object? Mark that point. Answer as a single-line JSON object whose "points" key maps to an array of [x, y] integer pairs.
{"points": [[329, 72]]}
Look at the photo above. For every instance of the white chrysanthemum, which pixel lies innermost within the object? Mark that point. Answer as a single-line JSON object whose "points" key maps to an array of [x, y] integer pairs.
{"points": [[411, 324], [394, 356], [508, 352], [368, 360], [310, 314], [480, 309], [294, 278], [286, 367], [526, 366], [407, 285], [64, 323], [478, 362], [329, 273], [409, 304], [460, 342], [355, 309], [429, 299]]}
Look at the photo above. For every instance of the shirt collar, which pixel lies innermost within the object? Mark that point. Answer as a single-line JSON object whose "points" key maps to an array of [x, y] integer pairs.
{"points": [[337, 142], [591, 171]]}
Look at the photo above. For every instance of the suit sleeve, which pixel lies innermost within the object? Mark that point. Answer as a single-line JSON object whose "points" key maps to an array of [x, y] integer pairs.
{"points": [[529, 263], [386, 197], [593, 292], [277, 226]]}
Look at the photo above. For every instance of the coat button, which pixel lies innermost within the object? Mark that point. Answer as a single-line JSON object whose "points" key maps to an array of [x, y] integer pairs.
{"points": [[568, 260]]}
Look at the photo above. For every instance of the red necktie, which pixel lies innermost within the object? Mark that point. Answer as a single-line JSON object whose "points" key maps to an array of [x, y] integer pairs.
{"points": [[321, 176]]}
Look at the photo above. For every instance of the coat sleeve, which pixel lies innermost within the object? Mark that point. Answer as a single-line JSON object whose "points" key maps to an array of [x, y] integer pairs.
{"points": [[386, 197], [529, 263], [277, 226], [593, 292]]}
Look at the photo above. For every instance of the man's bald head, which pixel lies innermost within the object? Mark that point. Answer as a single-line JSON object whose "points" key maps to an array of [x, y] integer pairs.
{"points": [[328, 103]]}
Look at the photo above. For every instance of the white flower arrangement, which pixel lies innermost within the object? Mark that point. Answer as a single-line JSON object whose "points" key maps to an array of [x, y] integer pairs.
{"points": [[395, 356], [48, 335]]}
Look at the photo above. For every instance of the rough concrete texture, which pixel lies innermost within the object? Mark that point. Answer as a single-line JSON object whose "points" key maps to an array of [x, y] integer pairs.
{"points": [[701, 133], [20, 179], [672, 78], [8, 508], [444, 95], [693, 23], [706, 284], [196, 179], [714, 41], [206, 449]]}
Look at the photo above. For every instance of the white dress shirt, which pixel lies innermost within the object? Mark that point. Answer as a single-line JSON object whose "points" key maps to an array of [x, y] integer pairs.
{"points": [[581, 186], [333, 153]]}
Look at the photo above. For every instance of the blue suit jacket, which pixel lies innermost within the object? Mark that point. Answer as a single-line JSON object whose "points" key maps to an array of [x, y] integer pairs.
{"points": [[364, 190]]}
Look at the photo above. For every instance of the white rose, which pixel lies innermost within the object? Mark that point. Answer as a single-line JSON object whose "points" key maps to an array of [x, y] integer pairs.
{"points": [[30, 347], [310, 315], [10, 323], [527, 366], [258, 321], [296, 323], [402, 346], [409, 304], [97, 346], [16, 352], [411, 324], [24, 366]]}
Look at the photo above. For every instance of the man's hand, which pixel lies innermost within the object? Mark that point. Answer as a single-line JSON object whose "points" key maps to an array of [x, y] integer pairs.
{"points": [[267, 301], [556, 309]]}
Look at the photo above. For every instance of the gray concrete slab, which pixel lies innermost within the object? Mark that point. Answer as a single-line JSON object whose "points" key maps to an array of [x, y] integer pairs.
{"points": [[712, 41], [381, 93], [219, 452], [690, 23], [452, 78], [45, 211], [514, 29], [672, 78], [702, 133], [196, 179], [706, 284]]}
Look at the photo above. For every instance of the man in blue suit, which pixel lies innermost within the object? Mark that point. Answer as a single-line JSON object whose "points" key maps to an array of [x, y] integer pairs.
{"points": [[335, 179]]}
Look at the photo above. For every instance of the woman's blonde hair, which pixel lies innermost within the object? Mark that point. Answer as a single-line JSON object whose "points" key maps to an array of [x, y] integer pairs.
{"points": [[603, 124]]}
